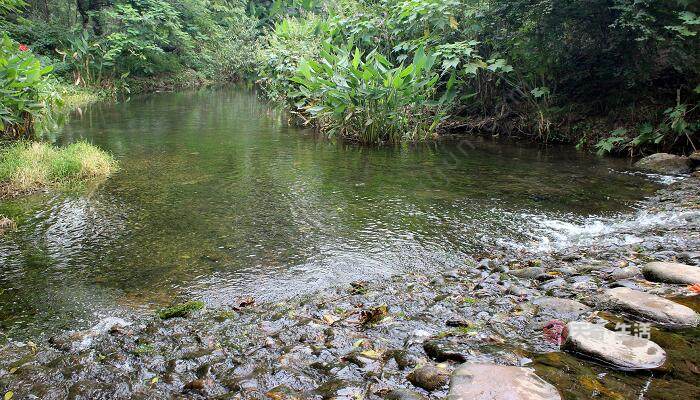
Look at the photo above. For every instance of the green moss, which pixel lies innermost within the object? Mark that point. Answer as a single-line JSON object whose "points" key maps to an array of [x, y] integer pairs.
{"points": [[180, 310], [143, 349]]}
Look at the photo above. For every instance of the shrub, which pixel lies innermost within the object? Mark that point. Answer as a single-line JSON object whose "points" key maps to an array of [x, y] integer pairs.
{"points": [[26, 91], [27, 166], [367, 98], [284, 47]]}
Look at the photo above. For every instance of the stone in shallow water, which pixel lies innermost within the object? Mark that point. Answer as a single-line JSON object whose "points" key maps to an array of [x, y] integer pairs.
{"points": [[651, 307], [664, 163], [621, 350], [498, 382], [671, 272]]}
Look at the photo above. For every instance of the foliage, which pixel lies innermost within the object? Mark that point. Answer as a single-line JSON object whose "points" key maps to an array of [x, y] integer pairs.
{"points": [[7, 6], [289, 42], [540, 68], [26, 92], [26, 166], [366, 97], [674, 127], [117, 39]]}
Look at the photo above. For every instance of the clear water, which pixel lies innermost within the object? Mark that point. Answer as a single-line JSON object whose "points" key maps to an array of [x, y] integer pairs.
{"points": [[218, 197]]}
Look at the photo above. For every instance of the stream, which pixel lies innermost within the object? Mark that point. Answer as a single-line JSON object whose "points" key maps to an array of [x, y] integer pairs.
{"points": [[218, 196]]}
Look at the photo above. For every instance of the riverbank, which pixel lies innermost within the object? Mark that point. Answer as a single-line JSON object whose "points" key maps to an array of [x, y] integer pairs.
{"points": [[373, 339]]}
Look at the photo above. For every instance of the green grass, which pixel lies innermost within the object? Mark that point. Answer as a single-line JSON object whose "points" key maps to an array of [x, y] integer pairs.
{"points": [[29, 166]]}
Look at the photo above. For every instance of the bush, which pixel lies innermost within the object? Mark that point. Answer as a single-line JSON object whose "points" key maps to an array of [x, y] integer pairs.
{"points": [[26, 91], [292, 40], [27, 166], [367, 98]]}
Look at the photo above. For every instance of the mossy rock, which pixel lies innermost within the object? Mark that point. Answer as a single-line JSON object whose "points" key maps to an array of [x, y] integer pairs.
{"points": [[180, 310]]}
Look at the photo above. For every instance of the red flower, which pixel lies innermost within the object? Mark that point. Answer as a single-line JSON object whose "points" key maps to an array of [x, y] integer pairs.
{"points": [[23, 47]]}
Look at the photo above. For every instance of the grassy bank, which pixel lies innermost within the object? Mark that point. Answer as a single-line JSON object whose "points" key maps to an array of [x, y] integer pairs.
{"points": [[31, 166]]}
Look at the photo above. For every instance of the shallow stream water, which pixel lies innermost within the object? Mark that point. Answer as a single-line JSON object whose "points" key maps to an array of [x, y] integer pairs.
{"points": [[218, 197]]}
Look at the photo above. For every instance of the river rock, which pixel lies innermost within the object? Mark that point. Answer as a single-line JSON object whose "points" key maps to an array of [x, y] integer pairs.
{"points": [[498, 382], [553, 284], [695, 158], [528, 273], [670, 272], [664, 163], [621, 350], [559, 308], [624, 273], [403, 394], [429, 377], [652, 307], [444, 350]]}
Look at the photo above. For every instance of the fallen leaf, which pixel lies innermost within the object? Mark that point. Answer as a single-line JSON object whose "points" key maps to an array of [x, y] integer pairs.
{"points": [[373, 354], [330, 319], [373, 315]]}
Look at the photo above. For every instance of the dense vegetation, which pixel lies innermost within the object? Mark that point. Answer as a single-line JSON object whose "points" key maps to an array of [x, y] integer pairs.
{"points": [[615, 75]]}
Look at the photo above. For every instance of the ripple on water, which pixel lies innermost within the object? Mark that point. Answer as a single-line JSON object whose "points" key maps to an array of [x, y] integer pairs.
{"points": [[217, 197]]}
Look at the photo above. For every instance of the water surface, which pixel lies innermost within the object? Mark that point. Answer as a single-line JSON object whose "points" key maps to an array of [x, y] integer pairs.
{"points": [[218, 197]]}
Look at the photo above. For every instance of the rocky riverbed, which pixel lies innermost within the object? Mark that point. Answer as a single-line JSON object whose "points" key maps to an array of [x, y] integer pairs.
{"points": [[583, 321]]}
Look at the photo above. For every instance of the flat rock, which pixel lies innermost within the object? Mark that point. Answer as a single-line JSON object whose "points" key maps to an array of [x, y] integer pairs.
{"points": [[651, 307], [670, 272], [499, 382], [665, 163], [618, 349], [559, 308]]}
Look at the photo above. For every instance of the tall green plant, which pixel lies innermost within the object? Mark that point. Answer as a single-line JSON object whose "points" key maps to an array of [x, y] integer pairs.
{"points": [[25, 92], [367, 98]]}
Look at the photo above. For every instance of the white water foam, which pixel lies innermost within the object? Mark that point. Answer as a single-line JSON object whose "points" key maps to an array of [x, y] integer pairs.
{"points": [[622, 230]]}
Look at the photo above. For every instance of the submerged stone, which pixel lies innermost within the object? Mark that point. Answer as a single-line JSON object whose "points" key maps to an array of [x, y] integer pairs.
{"points": [[671, 272], [499, 382], [664, 163], [618, 349], [651, 307]]}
